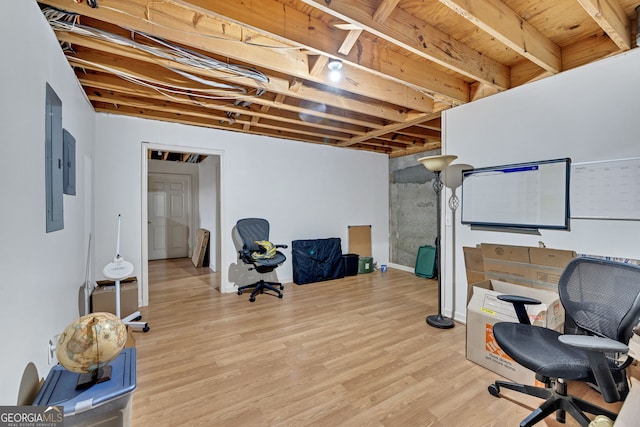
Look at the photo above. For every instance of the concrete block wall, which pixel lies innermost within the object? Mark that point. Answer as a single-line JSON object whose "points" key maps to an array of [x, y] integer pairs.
{"points": [[412, 208]]}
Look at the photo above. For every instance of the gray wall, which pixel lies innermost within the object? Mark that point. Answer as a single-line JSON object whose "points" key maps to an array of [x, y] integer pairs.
{"points": [[412, 208]]}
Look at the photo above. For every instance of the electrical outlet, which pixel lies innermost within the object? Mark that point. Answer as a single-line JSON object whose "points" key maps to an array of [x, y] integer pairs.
{"points": [[51, 350]]}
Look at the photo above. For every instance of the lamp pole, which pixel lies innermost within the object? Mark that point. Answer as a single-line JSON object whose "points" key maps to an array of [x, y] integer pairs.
{"points": [[437, 320], [437, 164]]}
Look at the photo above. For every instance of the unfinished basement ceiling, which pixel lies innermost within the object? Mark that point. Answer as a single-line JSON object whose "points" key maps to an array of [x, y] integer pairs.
{"points": [[261, 66]]}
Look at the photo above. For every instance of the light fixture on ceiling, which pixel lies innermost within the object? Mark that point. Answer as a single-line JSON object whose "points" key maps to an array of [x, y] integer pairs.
{"points": [[335, 69]]}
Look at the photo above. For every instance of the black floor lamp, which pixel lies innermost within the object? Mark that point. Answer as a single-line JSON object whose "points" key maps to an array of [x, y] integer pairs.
{"points": [[437, 164]]}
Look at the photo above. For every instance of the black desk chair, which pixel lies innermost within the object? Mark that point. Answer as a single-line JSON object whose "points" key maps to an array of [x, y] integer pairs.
{"points": [[251, 231], [602, 299]]}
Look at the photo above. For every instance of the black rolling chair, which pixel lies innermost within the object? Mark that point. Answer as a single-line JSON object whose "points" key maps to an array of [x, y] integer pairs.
{"points": [[252, 231], [602, 299]]}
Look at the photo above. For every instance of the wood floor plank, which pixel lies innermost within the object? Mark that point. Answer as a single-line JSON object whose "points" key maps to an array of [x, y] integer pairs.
{"points": [[348, 352]]}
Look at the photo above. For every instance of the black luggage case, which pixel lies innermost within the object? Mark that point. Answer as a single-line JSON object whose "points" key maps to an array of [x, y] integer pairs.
{"points": [[317, 260]]}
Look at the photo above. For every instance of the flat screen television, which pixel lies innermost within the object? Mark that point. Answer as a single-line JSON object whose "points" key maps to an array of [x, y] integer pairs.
{"points": [[530, 195]]}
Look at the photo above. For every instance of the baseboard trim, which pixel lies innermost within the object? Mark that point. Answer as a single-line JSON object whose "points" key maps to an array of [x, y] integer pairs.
{"points": [[401, 267]]}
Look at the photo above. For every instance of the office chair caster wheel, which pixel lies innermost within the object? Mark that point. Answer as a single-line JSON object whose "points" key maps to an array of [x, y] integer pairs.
{"points": [[137, 318], [252, 299], [494, 390], [146, 328], [239, 292], [281, 287], [280, 296]]}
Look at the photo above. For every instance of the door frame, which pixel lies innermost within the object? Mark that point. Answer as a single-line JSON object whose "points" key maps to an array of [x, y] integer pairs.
{"points": [[143, 288]]}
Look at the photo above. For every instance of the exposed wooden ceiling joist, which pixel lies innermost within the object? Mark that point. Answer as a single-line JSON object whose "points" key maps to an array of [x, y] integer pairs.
{"points": [[403, 61]]}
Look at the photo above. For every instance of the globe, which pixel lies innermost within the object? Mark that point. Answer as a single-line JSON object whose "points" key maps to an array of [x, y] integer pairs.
{"points": [[91, 342]]}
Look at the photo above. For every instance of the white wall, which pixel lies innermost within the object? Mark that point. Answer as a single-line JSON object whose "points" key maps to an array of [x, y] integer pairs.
{"points": [[306, 191], [209, 171], [588, 114], [41, 272]]}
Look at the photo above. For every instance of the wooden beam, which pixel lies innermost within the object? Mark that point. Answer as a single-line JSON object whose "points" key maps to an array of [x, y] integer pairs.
{"points": [[203, 29], [499, 21], [289, 113], [349, 42], [285, 23], [415, 150], [384, 10], [418, 118], [587, 50], [420, 38], [319, 65], [416, 132], [381, 14], [275, 84], [149, 112], [612, 18], [99, 90]]}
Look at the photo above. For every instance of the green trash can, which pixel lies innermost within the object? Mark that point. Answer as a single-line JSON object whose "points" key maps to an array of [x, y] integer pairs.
{"points": [[365, 264]]}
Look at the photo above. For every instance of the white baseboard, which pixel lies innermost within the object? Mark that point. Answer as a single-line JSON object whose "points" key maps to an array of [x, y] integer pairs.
{"points": [[401, 267]]}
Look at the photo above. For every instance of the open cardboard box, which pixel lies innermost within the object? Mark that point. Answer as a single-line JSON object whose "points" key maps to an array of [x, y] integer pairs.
{"points": [[630, 411], [484, 309], [523, 265]]}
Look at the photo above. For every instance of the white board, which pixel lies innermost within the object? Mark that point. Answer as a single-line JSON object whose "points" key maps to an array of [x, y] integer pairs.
{"points": [[524, 195], [606, 189]]}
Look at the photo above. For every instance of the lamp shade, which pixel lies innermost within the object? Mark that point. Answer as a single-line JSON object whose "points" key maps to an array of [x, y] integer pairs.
{"points": [[437, 163], [452, 177]]}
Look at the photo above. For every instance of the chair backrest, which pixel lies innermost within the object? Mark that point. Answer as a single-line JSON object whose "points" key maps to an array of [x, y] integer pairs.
{"points": [[251, 230], [602, 297]]}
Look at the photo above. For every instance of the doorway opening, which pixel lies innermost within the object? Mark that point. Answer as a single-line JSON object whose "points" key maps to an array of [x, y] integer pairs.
{"points": [[181, 193]]}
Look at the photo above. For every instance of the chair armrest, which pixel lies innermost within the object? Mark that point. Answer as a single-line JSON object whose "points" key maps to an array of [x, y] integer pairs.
{"points": [[591, 343], [245, 256], [519, 303], [595, 348]]}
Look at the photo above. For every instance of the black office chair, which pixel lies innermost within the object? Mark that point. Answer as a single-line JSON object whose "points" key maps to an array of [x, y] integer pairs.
{"points": [[251, 231], [602, 299]]}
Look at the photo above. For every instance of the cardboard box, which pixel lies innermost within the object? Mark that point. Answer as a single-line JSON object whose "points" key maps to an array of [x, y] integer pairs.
{"points": [[630, 411], [103, 298], [484, 309], [200, 249], [535, 267], [131, 341], [474, 264]]}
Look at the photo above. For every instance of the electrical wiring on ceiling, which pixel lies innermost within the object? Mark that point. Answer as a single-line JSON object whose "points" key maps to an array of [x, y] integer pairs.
{"points": [[193, 95], [67, 21]]}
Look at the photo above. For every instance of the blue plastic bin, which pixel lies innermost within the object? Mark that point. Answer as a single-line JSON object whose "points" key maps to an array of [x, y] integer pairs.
{"points": [[106, 403]]}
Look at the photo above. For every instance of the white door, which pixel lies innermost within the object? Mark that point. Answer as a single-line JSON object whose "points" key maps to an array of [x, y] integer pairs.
{"points": [[169, 206]]}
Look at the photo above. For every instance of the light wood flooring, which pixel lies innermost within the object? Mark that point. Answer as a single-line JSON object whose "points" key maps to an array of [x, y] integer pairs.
{"points": [[348, 352]]}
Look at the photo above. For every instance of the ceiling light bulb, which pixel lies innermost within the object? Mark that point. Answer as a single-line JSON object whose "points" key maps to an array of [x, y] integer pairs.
{"points": [[335, 70], [335, 65], [334, 75]]}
